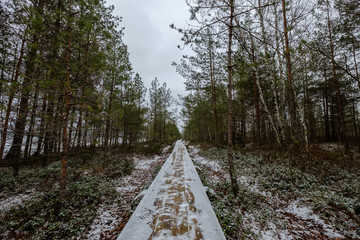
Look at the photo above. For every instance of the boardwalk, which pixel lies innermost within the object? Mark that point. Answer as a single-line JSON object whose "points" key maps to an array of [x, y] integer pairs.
{"points": [[175, 205]]}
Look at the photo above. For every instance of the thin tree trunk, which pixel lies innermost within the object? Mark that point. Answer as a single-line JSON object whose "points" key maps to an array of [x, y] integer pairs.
{"points": [[356, 68], [213, 96], [42, 127], [19, 132], [294, 103], [84, 139], [232, 170], [261, 95], [14, 79], [107, 126], [79, 130], [280, 62], [279, 122], [2, 79], [342, 129], [257, 109], [67, 89], [292, 106], [333, 125], [355, 125], [71, 127], [30, 134]]}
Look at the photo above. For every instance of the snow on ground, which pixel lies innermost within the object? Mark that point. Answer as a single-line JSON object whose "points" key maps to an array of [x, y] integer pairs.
{"points": [[166, 149], [289, 219], [106, 220], [251, 184], [311, 219], [218, 174], [112, 216], [7, 203]]}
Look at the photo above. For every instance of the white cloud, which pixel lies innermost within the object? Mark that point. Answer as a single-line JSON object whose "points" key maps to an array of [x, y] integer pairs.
{"points": [[151, 42]]}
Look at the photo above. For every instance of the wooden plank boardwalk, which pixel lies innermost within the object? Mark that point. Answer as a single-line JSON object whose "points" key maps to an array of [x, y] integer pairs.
{"points": [[175, 206]]}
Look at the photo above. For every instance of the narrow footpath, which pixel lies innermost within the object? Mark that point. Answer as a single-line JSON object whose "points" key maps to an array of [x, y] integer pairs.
{"points": [[175, 206]]}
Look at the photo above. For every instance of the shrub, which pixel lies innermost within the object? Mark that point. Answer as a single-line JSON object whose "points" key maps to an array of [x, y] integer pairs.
{"points": [[51, 217]]}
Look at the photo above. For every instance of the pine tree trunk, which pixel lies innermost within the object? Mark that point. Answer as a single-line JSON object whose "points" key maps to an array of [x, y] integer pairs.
{"points": [[42, 127], [292, 106], [355, 125], [84, 139], [107, 125], [213, 98], [19, 131], [14, 80], [2, 78], [280, 63], [326, 118], [295, 107], [257, 109], [30, 134], [232, 170], [67, 96], [71, 127], [342, 129], [356, 68], [79, 130]]}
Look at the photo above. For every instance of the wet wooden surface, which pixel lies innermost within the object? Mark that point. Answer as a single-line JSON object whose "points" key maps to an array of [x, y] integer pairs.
{"points": [[175, 205]]}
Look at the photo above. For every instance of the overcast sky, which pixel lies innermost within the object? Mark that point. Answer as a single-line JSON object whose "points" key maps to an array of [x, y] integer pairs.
{"points": [[152, 44]]}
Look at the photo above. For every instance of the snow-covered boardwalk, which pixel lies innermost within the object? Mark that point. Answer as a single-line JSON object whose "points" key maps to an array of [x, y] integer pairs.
{"points": [[175, 206]]}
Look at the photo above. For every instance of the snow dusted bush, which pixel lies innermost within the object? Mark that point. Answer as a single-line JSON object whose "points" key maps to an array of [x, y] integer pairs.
{"points": [[49, 217]]}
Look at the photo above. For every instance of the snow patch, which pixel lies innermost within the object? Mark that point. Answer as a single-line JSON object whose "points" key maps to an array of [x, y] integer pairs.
{"points": [[218, 173], [166, 149], [105, 221], [8, 203], [111, 215], [312, 219]]}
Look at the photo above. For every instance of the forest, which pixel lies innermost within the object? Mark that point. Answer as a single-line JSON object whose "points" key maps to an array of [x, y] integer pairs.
{"points": [[284, 73], [271, 117]]}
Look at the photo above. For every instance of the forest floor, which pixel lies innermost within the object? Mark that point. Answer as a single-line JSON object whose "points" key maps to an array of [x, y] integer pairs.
{"points": [[278, 199], [98, 202], [281, 197]]}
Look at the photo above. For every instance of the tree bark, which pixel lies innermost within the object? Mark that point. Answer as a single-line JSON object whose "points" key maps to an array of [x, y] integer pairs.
{"points": [[257, 109], [356, 68], [42, 127], [355, 125], [294, 104], [261, 95], [342, 129], [213, 96], [279, 122], [67, 89], [232, 170], [19, 132], [14, 79], [30, 134]]}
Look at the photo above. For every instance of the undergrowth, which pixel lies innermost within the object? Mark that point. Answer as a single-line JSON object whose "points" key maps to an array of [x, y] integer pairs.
{"points": [[47, 215], [333, 190], [230, 210]]}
